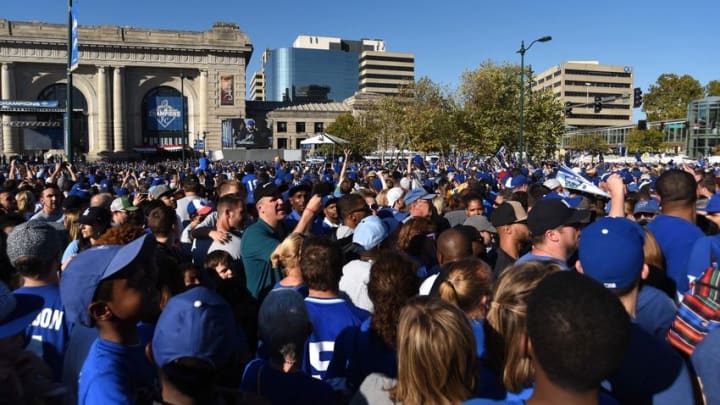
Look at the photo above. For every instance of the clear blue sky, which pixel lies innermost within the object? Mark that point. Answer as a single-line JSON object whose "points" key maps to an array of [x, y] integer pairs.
{"points": [[447, 37]]}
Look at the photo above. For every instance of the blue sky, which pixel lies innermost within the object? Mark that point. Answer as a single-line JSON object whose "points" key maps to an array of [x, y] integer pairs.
{"points": [[447, 38]]}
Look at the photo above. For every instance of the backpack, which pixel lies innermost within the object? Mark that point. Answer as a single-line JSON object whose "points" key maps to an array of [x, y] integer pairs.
{"points": [[698, 313]]}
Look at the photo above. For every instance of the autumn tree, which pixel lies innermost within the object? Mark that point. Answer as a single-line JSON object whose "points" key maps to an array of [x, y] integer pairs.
{"points": [[356, 130], [668, 98]]}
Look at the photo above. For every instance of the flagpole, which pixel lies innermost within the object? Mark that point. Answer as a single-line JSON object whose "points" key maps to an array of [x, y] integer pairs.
{"points": [[69, 88]]}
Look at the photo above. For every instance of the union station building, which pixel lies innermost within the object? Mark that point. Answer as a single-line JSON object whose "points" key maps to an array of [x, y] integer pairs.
{"points": [[129, 91]]}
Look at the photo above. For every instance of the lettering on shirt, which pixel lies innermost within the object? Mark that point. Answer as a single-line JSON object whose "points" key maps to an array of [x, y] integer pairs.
{"points": [[49, 319], [315, 349]]}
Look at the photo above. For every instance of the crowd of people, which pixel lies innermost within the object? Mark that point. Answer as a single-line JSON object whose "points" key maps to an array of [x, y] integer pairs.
{"points": [[412, 282]]}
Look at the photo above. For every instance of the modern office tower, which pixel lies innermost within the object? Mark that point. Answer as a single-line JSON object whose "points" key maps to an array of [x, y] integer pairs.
{"points": [[323, 69], [581, 82]]}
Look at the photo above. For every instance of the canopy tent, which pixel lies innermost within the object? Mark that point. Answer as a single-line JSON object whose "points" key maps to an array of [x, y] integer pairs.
{"points": [[321, 139]]}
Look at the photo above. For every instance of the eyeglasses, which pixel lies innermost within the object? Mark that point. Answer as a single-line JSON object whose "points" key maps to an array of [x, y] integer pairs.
{"points": [[644, 215]]}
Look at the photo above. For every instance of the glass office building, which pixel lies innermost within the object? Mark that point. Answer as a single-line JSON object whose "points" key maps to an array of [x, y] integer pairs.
{"points": [[702, 119], [310, 75]]}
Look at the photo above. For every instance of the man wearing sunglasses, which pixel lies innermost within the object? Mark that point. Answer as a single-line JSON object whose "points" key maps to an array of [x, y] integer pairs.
{"points": [[555, 231]]}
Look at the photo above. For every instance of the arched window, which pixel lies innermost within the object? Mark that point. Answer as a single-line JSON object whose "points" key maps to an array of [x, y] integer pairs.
{"points": [[163, 116], [58, 92]]}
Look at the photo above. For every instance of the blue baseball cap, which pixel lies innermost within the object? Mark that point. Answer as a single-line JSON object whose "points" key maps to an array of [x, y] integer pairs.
{"points": [[85, 272], [370, 232], [611, 252], [516, 181], [713, 205], [650, 206], [195, 324], [417, 194]]}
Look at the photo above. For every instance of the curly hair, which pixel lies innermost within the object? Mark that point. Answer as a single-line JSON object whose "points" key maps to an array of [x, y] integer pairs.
{"points": [[412, 235], [120, 235], [392, 283], [506, 321]]}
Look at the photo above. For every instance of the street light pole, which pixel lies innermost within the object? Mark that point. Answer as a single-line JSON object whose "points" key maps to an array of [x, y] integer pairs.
{"points": [[522, 51]]}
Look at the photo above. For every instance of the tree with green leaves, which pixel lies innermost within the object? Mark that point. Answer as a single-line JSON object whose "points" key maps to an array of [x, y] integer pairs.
{"points": [[712, 88], [490, 98], [668, 98], [591, 143], [650, 140]]}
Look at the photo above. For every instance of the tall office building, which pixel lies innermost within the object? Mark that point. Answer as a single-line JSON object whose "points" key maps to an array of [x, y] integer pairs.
{"points": [[322, 69], [580, 82], [257, 86]]}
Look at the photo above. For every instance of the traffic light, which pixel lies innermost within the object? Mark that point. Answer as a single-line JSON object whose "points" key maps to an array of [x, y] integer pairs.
{"points": [[637, 97], [568, 109], [598, 104]]}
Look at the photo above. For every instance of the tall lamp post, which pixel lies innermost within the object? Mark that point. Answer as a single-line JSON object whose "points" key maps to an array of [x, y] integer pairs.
{"points": [[522, 51]]}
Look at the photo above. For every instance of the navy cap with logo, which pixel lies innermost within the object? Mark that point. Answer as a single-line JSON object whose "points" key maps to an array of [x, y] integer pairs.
{"points": [[96, 216], [266, 190]]}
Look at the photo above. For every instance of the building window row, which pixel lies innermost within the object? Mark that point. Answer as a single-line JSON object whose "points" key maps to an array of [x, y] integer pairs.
{"points": [[388, 77], [596, 73], [388, 67], [584, 94], [379, 85], [600, 117], [386, 59], [282, 127], [597, 84]]}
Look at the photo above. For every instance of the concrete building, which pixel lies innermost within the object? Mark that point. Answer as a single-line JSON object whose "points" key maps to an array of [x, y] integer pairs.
{"points": [[257, 86], [385, 72], [127, 87], [292, 124], [322, 69], [579, 82]]}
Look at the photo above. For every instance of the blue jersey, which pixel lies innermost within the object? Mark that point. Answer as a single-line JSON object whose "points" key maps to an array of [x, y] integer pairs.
{"points": [[250, 182], [48, 333], [329, 317], [116, 374]]}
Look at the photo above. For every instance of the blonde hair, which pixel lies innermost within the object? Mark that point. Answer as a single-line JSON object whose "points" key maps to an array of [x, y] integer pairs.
{"points": [[381, 198], [651, 251], [468, 282], [506, 321], [287, 253], [70, 220], [435, 353], [25, 202]]}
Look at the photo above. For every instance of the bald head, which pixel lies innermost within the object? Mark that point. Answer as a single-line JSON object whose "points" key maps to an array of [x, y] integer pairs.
{"points": [[453, 245]]}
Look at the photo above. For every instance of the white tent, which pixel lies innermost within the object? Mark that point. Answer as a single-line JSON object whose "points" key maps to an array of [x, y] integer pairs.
{"points": [[321, 139]]}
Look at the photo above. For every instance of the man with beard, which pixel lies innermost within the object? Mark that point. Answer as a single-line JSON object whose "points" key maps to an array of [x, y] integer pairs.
{"points": [[262, 237], [51, 200]]}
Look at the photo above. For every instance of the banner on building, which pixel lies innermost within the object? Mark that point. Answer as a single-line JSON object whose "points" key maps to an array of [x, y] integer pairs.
{"points": [[75, 52], [227, 90], [164, 114], [29, 104]]}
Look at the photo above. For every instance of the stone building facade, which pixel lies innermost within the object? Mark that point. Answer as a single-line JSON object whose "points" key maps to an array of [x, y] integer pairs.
{"points": [[122, 76]]}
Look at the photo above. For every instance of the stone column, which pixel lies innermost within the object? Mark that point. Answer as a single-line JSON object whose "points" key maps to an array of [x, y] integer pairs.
{"points": [[103, 138], [118, 110], [202, 104], [10, 141]]}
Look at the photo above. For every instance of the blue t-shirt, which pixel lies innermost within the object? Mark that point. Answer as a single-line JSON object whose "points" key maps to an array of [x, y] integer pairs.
{"points": [[655, 311], [329, 317], [358, 353], [302, 288], [676, 238], [284, 388], [705, 360], [250, 182], [529, 256], [116, 374], [478, 328], [48, 333], [652, 372]]}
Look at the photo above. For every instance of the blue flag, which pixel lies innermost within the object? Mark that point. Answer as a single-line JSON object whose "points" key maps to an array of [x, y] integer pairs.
{"points": [[74, 53]]}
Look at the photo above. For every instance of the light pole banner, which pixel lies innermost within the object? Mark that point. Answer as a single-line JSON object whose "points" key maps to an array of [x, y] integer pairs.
{"points": [[75, 53]]}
